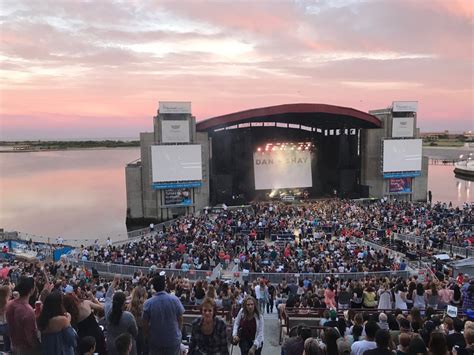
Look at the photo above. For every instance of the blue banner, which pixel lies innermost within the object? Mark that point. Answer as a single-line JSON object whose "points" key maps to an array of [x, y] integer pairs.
{"points": [[402, 174], [175, 185]]}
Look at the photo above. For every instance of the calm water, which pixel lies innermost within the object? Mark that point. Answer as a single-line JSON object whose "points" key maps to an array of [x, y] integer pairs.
{"points": [[81, 194]]}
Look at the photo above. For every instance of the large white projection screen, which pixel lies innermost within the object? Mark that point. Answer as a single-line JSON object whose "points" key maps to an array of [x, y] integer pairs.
{"points": [[281, 169], [402, 155], [176, 162]]}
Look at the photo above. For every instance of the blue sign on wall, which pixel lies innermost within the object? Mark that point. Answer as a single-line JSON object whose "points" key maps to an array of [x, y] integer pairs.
{"points": [[175, 185], [401, 174]]}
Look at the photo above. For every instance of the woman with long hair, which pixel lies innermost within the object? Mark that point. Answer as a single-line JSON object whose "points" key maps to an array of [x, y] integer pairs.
{"points": [[385, 297], [330, 337], [84, 320], [118, 320], [457, 296], [432, 297], [248, 328], [5, 295], [400, 297], [138, 298], [357, 296], [54, 323], [418, 296], [208, 334]]}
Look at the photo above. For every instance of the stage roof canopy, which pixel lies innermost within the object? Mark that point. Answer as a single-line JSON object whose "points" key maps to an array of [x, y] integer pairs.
{"points": [[311, 115]]}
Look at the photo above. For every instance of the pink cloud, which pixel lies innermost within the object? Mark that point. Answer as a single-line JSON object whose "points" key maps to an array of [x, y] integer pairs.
{"points": [[73, 68]]}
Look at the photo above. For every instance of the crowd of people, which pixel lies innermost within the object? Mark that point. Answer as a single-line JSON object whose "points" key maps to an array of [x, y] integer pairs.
{"points": [[60, 308], [56, 308], [320, 231]]}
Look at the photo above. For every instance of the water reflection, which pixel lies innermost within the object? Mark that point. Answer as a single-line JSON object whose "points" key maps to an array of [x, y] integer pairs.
{"points": [[446, 187], [75, 194], [81, 194]]}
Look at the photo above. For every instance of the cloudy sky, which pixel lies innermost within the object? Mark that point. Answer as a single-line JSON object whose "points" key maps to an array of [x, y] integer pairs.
{"points": [[98, 68]]}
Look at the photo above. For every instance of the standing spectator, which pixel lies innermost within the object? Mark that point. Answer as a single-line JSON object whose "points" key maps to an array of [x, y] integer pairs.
{"points": [[400, 298], [163, 319], [468, 297], [248, 328], [445, 296], [261, 292], [369, 298], [359, 347], [271, 297], [385, 297], [118, 320], [123, 344], [138, 298], [382, 339], [84, 321], [330, 297], [208, 333], [432, 297], [5, 293], [22, 321], [57, 335], [419, 297], [344, 299]]}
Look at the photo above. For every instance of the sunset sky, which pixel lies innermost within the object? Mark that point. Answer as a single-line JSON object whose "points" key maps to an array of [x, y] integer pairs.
{"points": [[71, 69]]}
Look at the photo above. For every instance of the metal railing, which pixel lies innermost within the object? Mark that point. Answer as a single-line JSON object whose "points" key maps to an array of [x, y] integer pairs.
{"points": [[465, 252], [130, 270], [279, 277]]}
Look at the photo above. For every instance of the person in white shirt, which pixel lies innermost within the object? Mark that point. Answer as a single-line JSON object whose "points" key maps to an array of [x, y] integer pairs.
{"points": [[359, 347]]}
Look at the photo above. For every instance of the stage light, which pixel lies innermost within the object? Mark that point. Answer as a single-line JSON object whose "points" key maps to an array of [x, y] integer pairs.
{"points": [[259, 149]]}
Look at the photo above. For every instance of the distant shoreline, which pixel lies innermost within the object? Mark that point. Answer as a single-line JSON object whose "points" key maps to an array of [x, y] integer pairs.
{"points": [[48, 146]]}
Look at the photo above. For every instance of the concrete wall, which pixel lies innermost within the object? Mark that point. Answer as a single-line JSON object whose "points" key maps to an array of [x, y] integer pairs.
{"points": [[133, 181], [150, 208], [420, 183], [202, 194], [371, 151]]}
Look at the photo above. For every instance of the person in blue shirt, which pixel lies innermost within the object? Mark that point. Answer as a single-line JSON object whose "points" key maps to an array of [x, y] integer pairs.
{"points": [[163, 320]]}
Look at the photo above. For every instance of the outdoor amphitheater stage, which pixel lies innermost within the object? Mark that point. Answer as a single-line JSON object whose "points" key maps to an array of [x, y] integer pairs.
{"points": [[309, 148], [290, 150]]}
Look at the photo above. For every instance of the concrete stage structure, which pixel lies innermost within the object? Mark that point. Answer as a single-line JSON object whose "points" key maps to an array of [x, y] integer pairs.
{"points": [[312, 150]]}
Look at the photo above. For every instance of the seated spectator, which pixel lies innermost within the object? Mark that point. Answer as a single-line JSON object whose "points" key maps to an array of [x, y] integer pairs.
{"points": [[382, 323], [438, 344], [456, 337], [332, 322], [295, 345], [383, 341], [313, 346], [359, 347], [404, 342], [86, 346], [469, 338], [417, 346]]}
